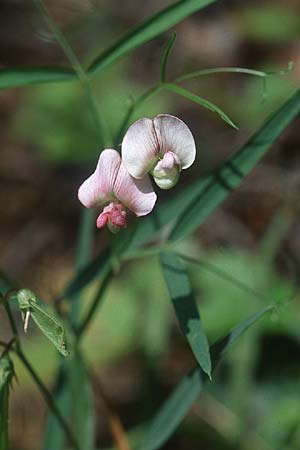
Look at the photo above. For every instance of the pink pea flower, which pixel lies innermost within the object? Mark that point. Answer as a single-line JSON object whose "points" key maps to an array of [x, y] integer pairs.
{"points": [[162, 146], [111, 184]]}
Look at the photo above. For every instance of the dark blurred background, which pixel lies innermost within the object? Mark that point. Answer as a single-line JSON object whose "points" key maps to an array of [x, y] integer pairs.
{"points": [[48, 147]]}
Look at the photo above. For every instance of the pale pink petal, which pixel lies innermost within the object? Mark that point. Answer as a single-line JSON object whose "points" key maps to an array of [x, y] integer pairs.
{"points": [[137, 195], [176, 137], [168, 161], [102, 219], [140, 148], [98, 188]]}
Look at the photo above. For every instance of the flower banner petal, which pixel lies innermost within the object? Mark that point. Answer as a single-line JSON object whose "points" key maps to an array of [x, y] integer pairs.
{"points": [[175, 136], [140, 148]]}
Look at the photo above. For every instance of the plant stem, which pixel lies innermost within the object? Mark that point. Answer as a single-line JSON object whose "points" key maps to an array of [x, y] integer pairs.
{"points": [[101, 130], [145, 96], [48, 398], [44, 391], [95, 303], [257, 73]]}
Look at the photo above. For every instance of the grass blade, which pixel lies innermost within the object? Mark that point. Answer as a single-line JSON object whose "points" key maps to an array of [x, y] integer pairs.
{"points": [[185, 306], [212, 190], [178, 404], [83, 417], [149, 29], [199, 100]]}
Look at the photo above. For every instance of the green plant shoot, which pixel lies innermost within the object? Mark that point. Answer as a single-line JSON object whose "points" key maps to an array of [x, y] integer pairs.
{"points": [[47, 323]]}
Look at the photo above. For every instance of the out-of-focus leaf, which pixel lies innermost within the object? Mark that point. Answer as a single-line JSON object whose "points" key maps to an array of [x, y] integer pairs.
{"points": [[55, 438], [22, 76], [144, 32], [83, 418], [6, 375], [147, 30], [96, 268], [84, 251], [47, 323], [199, 100], [212, 190], [177, 405], [187, 313], [63, 394]]}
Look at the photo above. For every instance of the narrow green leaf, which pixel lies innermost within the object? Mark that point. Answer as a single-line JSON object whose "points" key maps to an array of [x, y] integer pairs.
{"points": [[185, 306], [158, 23], [199, 100], [54, 438], [83, 417], [74, 398], [165, 57], [22, 76], [144, 32], [178, 404], [99, 265], [6, 375], [212, 190], [51, 327]]}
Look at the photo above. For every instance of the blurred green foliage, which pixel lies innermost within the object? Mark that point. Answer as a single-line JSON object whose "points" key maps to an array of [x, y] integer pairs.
{"points": [[269, 23], [56, 118], [145, 322]]}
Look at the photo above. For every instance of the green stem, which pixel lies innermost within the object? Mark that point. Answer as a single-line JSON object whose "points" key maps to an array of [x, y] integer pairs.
{"points": [[101, 130], [95, 303], [243, 70], [145, 96], [44, 391], [152, 251], [48, 398]]}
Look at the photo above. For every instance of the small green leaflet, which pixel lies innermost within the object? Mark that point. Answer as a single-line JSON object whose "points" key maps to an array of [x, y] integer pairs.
{"points": [[48, 324], [199, 100], [6, 375], [185, 306]]}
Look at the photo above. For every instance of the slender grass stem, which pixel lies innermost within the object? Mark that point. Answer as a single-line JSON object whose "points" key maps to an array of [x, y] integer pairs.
{"points": [[101, 130]]}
